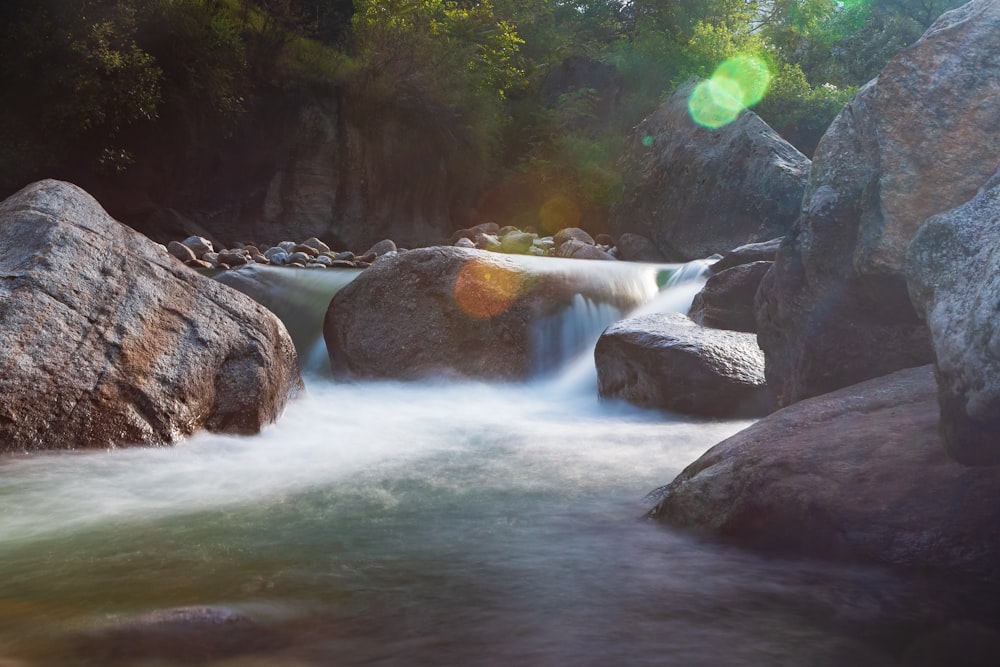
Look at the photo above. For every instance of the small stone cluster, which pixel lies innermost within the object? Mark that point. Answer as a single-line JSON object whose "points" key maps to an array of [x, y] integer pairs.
{"points": [[570, 242], [198, 253]]}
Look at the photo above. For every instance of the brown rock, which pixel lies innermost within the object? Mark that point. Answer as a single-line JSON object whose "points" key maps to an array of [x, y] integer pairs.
{"points": [[914, 142], [128, 347], [181, 251], [855, 475], [572, 233], [667, 361], [455, 312]]}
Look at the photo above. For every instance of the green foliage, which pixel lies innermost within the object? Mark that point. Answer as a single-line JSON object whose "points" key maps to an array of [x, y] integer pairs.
{"points": [[73, 79], [89, 84]]}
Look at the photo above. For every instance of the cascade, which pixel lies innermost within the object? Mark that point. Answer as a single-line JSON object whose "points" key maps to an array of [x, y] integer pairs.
{"points": [[299, 297]]}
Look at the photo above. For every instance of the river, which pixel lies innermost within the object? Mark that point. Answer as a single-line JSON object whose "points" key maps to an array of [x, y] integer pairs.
{"points": [[427, 523]]}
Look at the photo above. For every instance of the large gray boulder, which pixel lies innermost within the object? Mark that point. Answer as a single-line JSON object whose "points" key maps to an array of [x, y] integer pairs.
{"points": [[855, 475], [451, 311], [696, 191], [953, 266], [914, 142], [667, 361], [107, 340]]}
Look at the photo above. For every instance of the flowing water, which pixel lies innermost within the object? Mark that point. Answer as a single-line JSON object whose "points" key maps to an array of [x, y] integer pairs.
{"points": [[383, 523]]}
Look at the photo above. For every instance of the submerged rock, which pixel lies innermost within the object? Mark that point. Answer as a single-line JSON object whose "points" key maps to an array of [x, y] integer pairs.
{"points": [[696, 191], [912, 143], [953, 267], [107, 340], [855, 475], [667, 361], [188, 635]]}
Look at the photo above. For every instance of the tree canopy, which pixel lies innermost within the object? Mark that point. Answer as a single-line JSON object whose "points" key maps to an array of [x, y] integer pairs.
{"points": [[84, 80]]}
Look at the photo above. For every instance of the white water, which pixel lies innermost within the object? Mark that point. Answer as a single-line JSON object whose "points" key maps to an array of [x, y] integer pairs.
{"points": [[424, 524]]}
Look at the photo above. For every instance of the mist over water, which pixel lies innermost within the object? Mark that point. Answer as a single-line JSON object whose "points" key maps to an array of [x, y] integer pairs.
{"points": [[431, 523]]}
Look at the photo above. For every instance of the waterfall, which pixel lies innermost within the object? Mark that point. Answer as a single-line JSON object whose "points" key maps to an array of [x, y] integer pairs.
{"points": [[561, 341]]}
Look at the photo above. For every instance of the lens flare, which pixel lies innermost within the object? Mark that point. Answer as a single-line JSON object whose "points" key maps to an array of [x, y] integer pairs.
{"points": [[559, 212], [486, 290], [736, 84]]}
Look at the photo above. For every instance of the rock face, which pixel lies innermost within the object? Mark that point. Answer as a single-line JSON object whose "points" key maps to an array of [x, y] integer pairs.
{"points": [[456, 312], [953, 267], [105, 339], [326, 167], [855, 475], [696, 191], [919, 140], [667, 361], [727, 300]]}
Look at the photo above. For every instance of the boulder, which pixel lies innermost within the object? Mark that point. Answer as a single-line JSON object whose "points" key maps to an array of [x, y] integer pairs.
{"points": [[574, 249], [914, 142], [696, 191], [765, 251], [637, 248], [727, 299], [457, 312], [667, 361], [857, 475], [953, 268], [572, 233], [107, 340]]}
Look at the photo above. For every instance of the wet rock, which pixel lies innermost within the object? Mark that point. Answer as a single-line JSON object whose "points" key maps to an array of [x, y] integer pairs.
{"points": [[517, 242], [181, 251], [305, 249], [953, 269], [453, 312], [637, 248], [188, 635], [727, 299], [574, 249], [572, 233], [323, 260], [199, 245], [471, 232], [299, 258], [233, 257], [859, 474], [288, 246], [127, 347], [348, 256], [834, 310], [667, 361], [381, 248], [696, 191], [765, 251], [318, 245], [487, 242]]}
